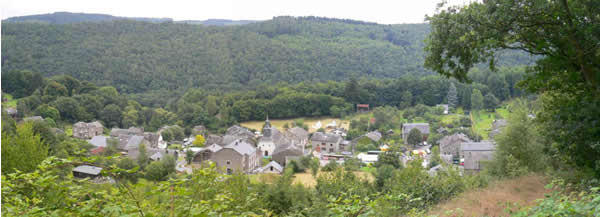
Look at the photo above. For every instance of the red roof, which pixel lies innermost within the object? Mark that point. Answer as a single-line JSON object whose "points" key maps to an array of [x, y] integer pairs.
{"points": [[362, 105], [97, 150]]}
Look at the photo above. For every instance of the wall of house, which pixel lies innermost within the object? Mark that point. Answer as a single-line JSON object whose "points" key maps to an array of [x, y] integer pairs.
{"points": [[280, 157], [328, 146], [473, 159], [226, 154]]}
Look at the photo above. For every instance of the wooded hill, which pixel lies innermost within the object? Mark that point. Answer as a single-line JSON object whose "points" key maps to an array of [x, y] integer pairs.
{"points": [[137, 57]]}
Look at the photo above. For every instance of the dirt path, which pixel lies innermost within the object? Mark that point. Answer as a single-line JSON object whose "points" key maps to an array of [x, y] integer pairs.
{"points": [[495, 200]]}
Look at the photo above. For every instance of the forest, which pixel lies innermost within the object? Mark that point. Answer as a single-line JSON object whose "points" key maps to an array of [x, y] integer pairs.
{"points": [[157, 61]]}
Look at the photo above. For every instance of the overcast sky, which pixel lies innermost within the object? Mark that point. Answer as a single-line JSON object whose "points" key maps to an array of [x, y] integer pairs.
{"points": [[385, 12]]}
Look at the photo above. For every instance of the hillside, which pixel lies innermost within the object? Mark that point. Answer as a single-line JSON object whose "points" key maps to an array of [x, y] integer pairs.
{"points": [[137, 57], [70, 18]]}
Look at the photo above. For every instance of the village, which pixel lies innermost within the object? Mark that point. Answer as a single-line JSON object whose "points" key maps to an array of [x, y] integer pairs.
{"points": [[270, 150]]}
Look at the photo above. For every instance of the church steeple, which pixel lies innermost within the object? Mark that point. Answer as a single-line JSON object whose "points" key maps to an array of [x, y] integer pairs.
{"points": [[267, 128]]}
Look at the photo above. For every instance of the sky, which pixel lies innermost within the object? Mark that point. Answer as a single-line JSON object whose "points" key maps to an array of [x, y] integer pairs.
{"points": [[379, 11]]}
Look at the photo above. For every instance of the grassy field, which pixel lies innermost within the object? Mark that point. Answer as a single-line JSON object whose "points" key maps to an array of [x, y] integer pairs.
{"points": [[496, 199], [305, 178], [10, 103], [482, 121], [257, 125], [455, 116]]}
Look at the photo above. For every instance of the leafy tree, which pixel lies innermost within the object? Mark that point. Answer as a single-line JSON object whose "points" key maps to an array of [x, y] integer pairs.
{"points": [[189, 156], [383, 174], [21, 83], [352, 164], [199, 141], [68, 108], [128, 164], [331, 166], [111, 115], [406, 99], [55, 89], [476, 100], [22, 151], [314, 164], [389, 158], [452, 96], [414, 137], [143, 158], [160, 170], [47, 111], [565, 73], [490, 102]]}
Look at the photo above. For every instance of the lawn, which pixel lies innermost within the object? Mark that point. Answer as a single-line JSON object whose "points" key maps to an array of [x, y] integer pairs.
{"points": [[257, 125], [482, 120], [10, 101]]}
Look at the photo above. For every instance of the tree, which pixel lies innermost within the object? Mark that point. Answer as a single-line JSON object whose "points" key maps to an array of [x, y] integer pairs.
{"points": [[143, 158], [68, 108], [314, 164], [211, 105], [22, 151], [490, 102], [406, 99], [128, 164], [566, 74], [389, 158], [452, 96], [414, 137], [47, 111], [55, 89], [383, 174], [189, 156], [199, 141], [476, 100], [111, 115]]}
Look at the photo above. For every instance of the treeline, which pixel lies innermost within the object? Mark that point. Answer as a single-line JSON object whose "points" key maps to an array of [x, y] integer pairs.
{"points": [[68, 99], [158, 61]]}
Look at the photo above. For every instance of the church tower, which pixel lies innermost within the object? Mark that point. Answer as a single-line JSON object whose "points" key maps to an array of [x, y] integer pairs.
{"points": [[267, 129]]}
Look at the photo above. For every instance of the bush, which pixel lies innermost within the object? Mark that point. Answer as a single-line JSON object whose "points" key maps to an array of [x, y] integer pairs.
{"points": [[331, 166]]}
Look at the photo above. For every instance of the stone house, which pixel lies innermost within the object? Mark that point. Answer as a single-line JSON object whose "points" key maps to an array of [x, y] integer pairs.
{"points": [[450, 147], [84, 130], [327, 143], [284, 154], [476, 152], [239, 156], [271, 167], [422, 127]]}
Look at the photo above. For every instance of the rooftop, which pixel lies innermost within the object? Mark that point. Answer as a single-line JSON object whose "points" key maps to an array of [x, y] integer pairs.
{"points": [[86, 169]]}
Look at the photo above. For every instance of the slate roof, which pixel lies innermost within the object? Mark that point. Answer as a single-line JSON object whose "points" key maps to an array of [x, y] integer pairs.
{"points": [[298, 132], [374, 135], [423, 127], [11, 111], [86, 169], [214, 139], [242, 147], [214, 148], [325, 137], [453, 139], [131, 131], [128, 142], [280, 149], [478, 146], [99, 141], [273, 164], [156, 156], [239, 131], [33, 118]]}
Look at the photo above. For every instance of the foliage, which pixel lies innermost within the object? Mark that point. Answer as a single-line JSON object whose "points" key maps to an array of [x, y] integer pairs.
{"points": [[23, 150], [562, 203], [143, 157], [476, 100], [189, 156], [414, 137], [389, 158], [160, 170], [199, 141], [490, 102], [383, 174], [330, 166], [452, 96]]}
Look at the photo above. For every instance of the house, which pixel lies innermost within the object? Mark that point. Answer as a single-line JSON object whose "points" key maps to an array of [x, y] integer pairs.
{"points": [[373, 136], [239, 131], [129, 145], [298, 135], [474, 153], [326, 142], [239, 156], [153, 139], [361, 108], [86, 171], [160, 154], [284, 154], [450, 147], [83, 130], [204, 154], [213, 139], [271, 167], [12, 112], [340, 131], [33, 118], [497, 127], [445, 107], [423, 127]]}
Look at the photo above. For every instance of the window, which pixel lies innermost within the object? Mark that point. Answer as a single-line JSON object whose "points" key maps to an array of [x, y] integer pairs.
{"points": [[330, 145], [228, 162], [271, 168], [229, 171], [331, 150], [266, 153]]}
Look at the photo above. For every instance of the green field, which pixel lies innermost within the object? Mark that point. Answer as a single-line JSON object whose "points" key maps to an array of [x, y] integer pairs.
{"points": [[10, 101], [482, 120], [257, 125]]}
